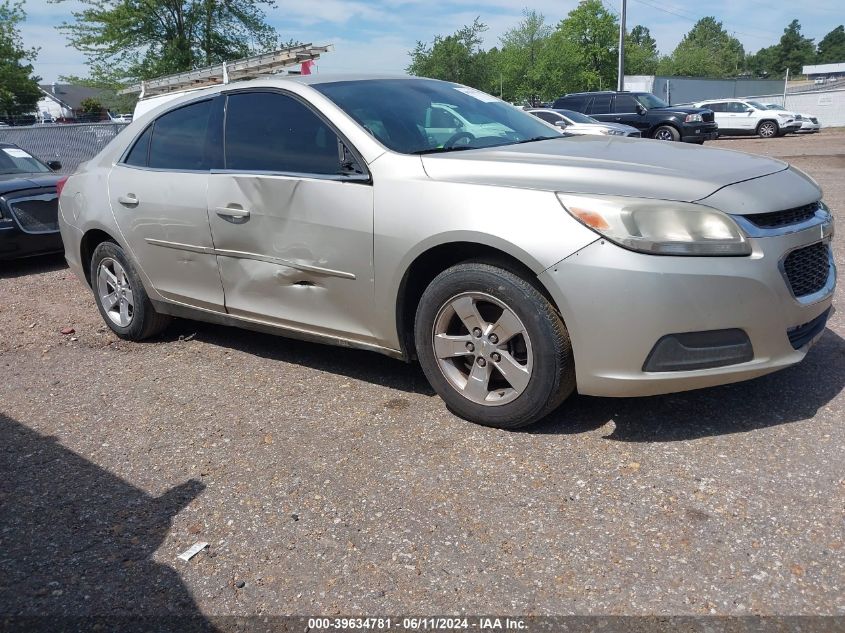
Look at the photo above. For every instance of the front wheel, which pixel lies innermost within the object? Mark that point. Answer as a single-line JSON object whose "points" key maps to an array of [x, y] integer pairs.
{"points": [[767, 129], [667, 133], [492, 346]]}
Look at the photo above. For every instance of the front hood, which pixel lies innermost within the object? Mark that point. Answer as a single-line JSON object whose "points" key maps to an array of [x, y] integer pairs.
{"points": [[604, 165], [680, 110], [16, 182]]}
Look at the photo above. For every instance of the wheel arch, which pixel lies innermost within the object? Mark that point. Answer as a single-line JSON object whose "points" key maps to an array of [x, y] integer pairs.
{"points": [[762, 121], [434, 259], [667, 123], [91, 239]]}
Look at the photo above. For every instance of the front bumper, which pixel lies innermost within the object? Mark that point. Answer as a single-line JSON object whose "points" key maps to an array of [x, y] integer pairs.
{"points": [[699, 133], [15, 243], [617, 304], [809, 126]]}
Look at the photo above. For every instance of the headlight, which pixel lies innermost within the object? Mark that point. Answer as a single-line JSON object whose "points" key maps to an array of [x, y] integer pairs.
{"points": [[693, 118], [611, 132], [784, 115], [658, 227]]}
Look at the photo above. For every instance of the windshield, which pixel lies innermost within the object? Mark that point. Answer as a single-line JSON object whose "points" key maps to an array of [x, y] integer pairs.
{"points": [[772, 106], [577, 117], [650, 101], [13, 160], [757, 105], [424, 116]]}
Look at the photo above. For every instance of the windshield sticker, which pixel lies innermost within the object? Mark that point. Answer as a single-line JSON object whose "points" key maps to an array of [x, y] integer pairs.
{"points": [[14, 152], [477, 94]]}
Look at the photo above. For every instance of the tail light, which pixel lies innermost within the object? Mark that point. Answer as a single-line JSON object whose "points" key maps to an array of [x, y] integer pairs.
{"points": [[61, 184]]}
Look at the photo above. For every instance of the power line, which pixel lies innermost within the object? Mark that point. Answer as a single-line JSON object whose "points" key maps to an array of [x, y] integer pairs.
{"points": [[759, 35]]}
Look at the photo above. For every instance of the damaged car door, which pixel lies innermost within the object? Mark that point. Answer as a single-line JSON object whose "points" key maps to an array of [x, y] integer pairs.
{"points": [[291, 216]]}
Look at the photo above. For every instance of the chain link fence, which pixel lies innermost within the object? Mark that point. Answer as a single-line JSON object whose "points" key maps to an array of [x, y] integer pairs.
{"points": [[71, 144]]}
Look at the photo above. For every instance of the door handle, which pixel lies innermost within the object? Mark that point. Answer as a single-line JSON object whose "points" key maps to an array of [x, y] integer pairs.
{"points": [[232, 212], [129, 200]]}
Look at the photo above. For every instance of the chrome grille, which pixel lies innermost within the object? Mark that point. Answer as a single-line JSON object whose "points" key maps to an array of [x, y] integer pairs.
{"points": [[36, 213], [786, 217], [807, 269]]}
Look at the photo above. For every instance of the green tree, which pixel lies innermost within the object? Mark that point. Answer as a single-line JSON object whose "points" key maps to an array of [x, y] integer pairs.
{"points": [[19, 91], [141, 39], [457, 57], [764, 63], [641, 55], [832, 47], [90, 106], [581, 53], [708, 50], [519, 55], [794, 50]]}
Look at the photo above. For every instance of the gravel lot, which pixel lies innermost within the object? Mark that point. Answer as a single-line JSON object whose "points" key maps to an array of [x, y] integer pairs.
{"points": [[331, 481]]}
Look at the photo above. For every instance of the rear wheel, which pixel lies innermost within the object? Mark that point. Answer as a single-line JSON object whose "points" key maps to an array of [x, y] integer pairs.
{"points": [[120, 296], [492, 346], [666, 133], [767, 129]]}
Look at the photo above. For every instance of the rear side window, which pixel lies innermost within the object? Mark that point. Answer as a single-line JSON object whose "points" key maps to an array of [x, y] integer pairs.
{"points": [[575, 102], [137, 156], [179, 139], [716, 107], [600, 105], [267, 131]]}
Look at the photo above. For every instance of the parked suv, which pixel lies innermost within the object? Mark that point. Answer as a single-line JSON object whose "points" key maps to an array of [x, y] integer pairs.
{"points": [[642, 110], [742, 116]]}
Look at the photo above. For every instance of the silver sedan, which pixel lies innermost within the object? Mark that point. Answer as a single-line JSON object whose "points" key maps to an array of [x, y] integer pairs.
{"points": [[571, 122], [515, 263]]}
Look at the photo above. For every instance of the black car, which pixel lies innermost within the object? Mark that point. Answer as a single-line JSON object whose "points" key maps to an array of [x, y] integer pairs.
{"points": [[29, 223], [642, 110]]}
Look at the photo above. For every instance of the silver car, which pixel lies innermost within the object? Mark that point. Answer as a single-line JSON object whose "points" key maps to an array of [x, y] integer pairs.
{"points": [[572, 122], [516, 267]]}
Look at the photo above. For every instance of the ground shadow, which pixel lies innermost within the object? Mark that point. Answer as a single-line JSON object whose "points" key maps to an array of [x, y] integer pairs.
{"points": [[76, 543], [358, 364], [11, 268], [790, 395]]}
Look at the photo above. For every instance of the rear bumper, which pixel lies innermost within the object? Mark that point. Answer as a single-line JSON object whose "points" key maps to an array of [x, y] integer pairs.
{"points": [[617, 305]]}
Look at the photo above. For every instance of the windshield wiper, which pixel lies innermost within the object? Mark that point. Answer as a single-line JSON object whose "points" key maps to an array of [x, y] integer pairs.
{"points": [[440, 150], [536, 138]]}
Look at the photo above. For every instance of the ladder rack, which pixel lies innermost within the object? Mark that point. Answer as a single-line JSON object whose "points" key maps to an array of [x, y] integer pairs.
{"points": [[246, 68]]}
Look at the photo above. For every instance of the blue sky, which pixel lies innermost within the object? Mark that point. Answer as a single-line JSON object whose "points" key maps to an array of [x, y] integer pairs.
{"points": [[376, 35]]}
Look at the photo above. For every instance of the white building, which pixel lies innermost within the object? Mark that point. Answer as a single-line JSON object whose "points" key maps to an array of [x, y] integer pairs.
{"points": [[63, 100]]}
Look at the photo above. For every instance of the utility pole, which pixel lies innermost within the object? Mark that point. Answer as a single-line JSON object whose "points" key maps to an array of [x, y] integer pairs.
{"points": [[785, 85], [620, 72]]}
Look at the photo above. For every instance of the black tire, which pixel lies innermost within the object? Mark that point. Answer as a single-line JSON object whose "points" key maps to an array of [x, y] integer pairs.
{"points": [[552, 378], [666, 133], [767, 129], [145, 321]]}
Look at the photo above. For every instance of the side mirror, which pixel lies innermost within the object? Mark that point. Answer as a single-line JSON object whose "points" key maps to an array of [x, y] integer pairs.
{"points": [[54, 165], [750, 110], [560, 123], [641, 109]]}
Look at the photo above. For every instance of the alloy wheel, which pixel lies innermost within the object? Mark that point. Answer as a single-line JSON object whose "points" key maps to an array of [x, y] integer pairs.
{"points": [[767, 130], [663, 135], [482, 348], [115, 292]]}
